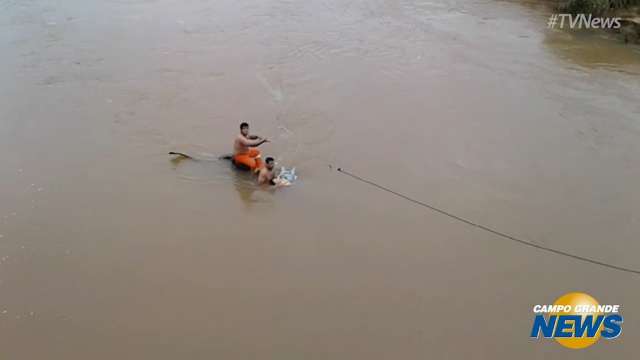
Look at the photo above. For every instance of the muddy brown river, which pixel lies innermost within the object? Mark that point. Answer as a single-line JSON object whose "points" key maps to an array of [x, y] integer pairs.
{"points": [[111, 249]]}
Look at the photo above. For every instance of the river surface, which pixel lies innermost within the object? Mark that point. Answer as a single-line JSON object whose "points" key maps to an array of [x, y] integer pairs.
{"points": [[111, 249]]}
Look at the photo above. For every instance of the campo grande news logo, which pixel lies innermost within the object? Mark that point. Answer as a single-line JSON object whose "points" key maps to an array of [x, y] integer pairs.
{"points": [[576, 320]]}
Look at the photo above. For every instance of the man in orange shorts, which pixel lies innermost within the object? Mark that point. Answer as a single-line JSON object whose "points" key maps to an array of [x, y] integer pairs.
{"points": [[244, 152]]}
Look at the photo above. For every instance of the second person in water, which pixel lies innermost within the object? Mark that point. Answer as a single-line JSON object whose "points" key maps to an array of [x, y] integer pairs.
{"points": [[266, 174]]}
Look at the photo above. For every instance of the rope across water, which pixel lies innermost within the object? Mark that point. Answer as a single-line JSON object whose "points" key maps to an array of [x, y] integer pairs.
{"points": [[490, 230]]}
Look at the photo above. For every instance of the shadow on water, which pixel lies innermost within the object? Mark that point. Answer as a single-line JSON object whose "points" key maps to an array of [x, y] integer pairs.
{"points": [[244, 184]]}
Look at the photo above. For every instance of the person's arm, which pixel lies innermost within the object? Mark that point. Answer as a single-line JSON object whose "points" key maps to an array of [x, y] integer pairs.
{"points": [[252, 143], [259, 142]]}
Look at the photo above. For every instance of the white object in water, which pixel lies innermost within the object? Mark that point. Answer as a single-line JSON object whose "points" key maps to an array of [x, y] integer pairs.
{"points": [[286, 177]]}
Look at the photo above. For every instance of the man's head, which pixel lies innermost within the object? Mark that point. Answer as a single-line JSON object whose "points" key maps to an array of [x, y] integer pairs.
{"points": [[269, 163], [244, 129]]}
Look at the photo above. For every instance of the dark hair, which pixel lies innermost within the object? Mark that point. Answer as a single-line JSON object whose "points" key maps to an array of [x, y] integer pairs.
{"points": [[244, 125], [269, 159]]}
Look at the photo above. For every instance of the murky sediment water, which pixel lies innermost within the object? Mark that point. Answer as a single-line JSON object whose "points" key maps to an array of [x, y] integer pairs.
{"points": [[109, 249]]}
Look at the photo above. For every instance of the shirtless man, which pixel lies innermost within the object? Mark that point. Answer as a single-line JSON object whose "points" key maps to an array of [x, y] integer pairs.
{"points": [[244, 152], [266, 175]]}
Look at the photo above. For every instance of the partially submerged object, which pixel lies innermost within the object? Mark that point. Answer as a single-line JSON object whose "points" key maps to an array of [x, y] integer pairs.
{"points": [[286, 176], [180, 154]]}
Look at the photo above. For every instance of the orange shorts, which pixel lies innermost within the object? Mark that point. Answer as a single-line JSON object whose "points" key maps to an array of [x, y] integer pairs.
{"points": [[250, 159]]}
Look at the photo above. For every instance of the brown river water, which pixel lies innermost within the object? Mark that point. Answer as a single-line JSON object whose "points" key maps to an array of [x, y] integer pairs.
{"points": [[109, 249]]}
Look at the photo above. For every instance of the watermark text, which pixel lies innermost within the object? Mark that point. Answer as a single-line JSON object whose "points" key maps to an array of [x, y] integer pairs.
{"points": [[582, 21]]}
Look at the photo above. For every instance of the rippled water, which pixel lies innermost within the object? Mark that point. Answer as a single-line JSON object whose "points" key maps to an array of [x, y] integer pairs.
{"points": [[111, 249]]}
